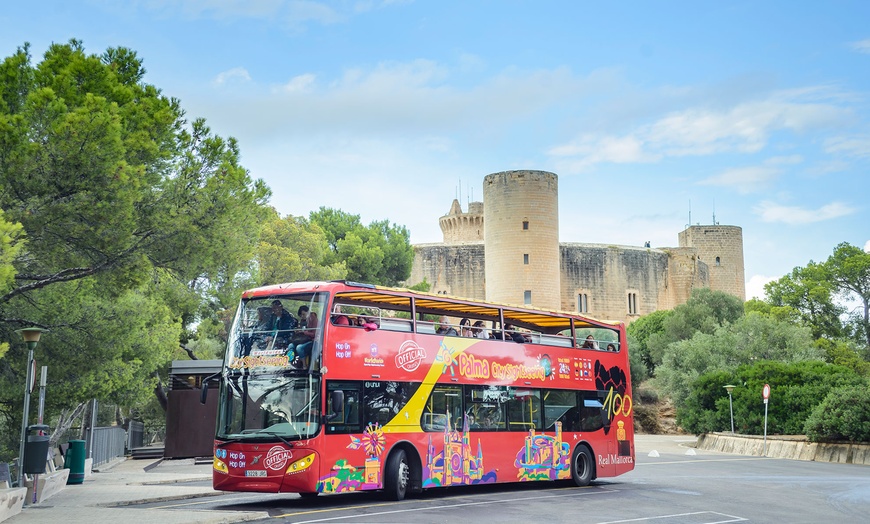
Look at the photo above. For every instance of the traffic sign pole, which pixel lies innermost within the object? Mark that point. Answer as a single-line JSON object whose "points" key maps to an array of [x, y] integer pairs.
{"points": [[765, 394]]}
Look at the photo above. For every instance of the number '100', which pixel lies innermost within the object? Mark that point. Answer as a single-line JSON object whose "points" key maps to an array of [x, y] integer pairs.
{"points": [[615, 404]]}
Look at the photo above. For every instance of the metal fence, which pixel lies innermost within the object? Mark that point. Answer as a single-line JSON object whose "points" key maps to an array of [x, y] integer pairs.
{"points": [[108, 443]]}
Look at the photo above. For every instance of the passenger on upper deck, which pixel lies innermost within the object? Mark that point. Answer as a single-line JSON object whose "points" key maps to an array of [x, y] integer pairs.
{"points": [[282, 324], [465, 328], [513, 334], [590, 343], [337, 318], [479, 330], [302, 341], [611, 347], [444, 327]]}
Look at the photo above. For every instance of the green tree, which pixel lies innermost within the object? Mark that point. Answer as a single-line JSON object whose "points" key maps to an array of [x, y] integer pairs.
{"points": [[293, 249], [849, 268], [809, 291], [134, 220], [379, 254], [704, 312], [641, 330], [752, 337]]}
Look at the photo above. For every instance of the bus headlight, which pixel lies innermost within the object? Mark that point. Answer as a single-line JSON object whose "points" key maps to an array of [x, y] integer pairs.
{"points": [[301, 464], [219, 465]]}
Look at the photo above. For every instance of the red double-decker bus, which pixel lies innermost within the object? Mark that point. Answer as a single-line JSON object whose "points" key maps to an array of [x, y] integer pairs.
{"points": [[333, 387]]}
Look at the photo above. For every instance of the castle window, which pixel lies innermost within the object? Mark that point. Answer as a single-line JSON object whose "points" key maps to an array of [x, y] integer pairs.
{"points": [[525, 224], [582, 303], [527, 297], [632, 303], [718, 262], [526, 258]]}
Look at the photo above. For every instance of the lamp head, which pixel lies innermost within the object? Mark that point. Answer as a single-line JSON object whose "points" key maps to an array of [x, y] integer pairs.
{"points": [[729, 388], [31, 334]]}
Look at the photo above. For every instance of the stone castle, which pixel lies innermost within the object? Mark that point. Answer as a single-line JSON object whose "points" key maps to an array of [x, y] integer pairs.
{"points": [[507, 249]]}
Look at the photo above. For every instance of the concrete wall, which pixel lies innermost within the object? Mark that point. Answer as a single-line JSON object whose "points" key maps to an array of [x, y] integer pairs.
{"points": [[796, 448]]}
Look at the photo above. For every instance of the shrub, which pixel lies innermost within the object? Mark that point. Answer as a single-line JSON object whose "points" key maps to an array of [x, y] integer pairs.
{"points": [[796, 388], [843, 415]]}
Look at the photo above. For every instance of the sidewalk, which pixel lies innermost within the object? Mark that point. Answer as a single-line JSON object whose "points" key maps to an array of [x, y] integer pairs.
{"points": [[110, 494]]}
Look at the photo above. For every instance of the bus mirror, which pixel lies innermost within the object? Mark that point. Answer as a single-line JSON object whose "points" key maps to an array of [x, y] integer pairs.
{"points": [[204, 393], [337, 399]]}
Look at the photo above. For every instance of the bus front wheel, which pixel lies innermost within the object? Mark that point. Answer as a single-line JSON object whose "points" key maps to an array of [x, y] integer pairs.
{"points": [[396, 475], [582, 467]]}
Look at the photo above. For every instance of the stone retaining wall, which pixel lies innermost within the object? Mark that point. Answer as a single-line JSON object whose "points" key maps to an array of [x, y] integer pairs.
{"points": [[796, 448]]}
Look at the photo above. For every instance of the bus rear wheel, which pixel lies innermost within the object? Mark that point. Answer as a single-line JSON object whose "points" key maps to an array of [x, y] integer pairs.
{"points": [[582, 467], [308, 494], [396, 475]]}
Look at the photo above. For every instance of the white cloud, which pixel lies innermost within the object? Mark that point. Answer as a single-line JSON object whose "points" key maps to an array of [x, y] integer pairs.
{"points": [[862, 46], [744, 179], [299, 84], [867, 246], [755, 286], [588, 150], [236, 74], [857, 146], [743, 128], [793, 215]]}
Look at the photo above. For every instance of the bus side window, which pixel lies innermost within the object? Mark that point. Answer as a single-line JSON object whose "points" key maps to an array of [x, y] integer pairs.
{"points": [[346, 419], [524, 410], [592, 416], [443, 409]]}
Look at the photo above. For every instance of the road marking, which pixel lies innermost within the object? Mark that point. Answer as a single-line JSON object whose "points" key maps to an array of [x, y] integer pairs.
{"points": [[701, 461], [448, 506], [731, 518]]}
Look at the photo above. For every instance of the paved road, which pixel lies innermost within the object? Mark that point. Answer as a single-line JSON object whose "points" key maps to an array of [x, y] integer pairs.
{"points": [[679, 486]]}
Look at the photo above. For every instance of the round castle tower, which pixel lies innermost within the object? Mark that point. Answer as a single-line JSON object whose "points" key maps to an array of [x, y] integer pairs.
{"points": [[721, 248], [521, 237]]}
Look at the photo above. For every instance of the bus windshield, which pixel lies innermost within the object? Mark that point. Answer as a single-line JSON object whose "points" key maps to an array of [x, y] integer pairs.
{"points": [[277, 332], [269, 407]]}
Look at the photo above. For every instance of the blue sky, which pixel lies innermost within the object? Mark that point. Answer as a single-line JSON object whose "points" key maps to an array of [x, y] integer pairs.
{"points": [[649, 112]]}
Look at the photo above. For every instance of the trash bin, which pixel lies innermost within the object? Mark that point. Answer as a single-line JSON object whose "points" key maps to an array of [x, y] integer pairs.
{"points": [[74, 461], [35, 450]]}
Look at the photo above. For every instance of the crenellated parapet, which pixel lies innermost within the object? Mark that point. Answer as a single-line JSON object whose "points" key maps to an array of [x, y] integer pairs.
{"points": [[458, 227]]}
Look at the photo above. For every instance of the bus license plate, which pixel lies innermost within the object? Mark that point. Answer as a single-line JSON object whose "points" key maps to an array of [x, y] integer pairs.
{"points": [[255, 473]]}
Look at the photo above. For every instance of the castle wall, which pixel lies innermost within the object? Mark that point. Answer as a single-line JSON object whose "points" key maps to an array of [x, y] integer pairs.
{"points": [[608, 275], [522, 238], [518, 250], [456, 270]]}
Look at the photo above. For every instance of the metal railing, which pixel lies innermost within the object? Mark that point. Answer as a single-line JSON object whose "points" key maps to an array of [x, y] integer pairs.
{"points": [[109, 443]]}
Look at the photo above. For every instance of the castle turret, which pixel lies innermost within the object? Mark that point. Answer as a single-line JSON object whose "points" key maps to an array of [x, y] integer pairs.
{"points": [[522, 238], [458, 227]]}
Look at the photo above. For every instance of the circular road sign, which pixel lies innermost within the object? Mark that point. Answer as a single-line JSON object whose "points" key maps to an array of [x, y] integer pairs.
{"points": [[765, 392]]}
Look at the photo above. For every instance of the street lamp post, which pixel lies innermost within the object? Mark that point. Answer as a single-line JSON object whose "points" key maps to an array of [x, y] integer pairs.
{"points": [[729, 388], [31, 338]]}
